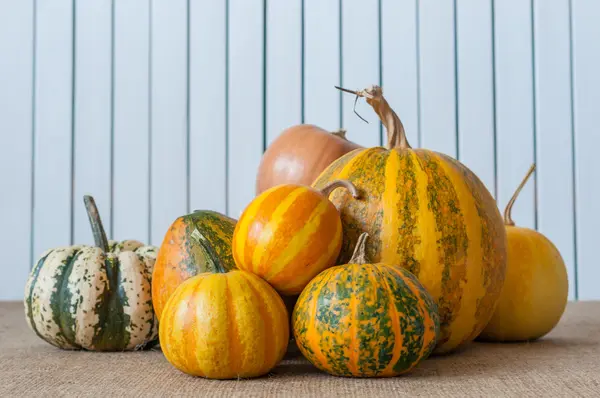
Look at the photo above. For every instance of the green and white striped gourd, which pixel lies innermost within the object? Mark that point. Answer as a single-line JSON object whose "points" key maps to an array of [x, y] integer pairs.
{"points": [[94, 298]]}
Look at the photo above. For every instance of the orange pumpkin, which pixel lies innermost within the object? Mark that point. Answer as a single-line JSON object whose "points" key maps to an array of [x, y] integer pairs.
{"points": [[195, 243], [224, 326], [299, 155], [288, 234]]}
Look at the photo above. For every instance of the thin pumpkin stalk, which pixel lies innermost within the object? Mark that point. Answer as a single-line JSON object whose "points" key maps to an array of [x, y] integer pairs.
{"points": [[508, 211], [96, 223], [329, 188], [360, 251], [396, 135]]}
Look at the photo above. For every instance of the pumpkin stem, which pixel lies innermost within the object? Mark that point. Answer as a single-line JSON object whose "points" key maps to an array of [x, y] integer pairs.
{"points": [[396, 136], [327, 189], [360, 251], [340, 133], [96, 223], [508, 211]]}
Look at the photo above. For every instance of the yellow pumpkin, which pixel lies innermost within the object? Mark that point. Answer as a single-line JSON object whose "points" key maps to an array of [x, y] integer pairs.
{"points": [[535, 290], [428, 213], [224, 326]]}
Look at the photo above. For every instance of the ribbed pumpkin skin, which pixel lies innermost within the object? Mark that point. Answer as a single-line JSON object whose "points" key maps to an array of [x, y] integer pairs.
{"points": [[224, 326], [428, 213], [287, 235], [192, 245], [365, 320], [78, 297], [535, 291]]}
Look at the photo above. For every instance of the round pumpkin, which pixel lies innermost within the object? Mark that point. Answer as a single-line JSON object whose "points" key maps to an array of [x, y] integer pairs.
{"points": [[224, 326], [93, 298], [299, 154], [536, 289], [430, 214], [194, 244], [365, 320], [288, 234]]}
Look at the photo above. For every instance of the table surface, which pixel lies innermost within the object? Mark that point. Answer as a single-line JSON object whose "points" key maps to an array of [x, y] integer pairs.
{"points": [[564, 363]]}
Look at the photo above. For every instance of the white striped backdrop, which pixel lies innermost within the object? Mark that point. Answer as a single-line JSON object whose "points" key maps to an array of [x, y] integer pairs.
{"points": [[159, 107]]}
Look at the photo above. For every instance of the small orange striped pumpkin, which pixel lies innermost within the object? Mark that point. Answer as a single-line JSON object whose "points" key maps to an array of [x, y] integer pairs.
{"points": [[224, 326], [365, 320], [288, 234]]}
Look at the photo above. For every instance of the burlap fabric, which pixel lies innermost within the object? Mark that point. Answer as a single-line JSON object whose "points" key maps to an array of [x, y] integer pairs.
{"points": [[566, 363]]}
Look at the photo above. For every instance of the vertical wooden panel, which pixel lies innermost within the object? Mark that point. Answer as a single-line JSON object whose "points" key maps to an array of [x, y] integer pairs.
{"points": [[131, 120], [437, 76], [322, 63], [284, 66], [93, 119], [586, 91], [554, 128], [16, 80], [400, 64], [514, 106], [208, 144], [246, 100], [476, 88], [53, 125], [168, 185], [360, 67]]}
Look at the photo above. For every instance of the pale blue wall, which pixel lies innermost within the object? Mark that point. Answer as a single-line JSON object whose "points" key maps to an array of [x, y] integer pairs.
{"points": [[158, 107]]}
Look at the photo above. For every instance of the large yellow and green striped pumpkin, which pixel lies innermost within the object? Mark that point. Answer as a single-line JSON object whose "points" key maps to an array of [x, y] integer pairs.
{"points": [[94, 298], [365, 320], [288, 234], [430, 214], [224, 326]]}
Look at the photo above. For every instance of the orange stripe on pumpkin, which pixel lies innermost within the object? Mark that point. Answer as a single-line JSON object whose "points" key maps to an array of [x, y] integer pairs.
{"points": [[285, 224], [429, 332], [252, 222], [309, 247], [395, 317]]}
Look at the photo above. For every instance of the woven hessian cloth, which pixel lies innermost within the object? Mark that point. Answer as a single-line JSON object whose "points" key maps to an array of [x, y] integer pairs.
{"points": [[565, 363]]}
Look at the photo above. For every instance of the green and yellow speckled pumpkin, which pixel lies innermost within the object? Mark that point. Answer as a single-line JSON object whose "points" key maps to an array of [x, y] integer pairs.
{"points": [[428, 213], [94, 298], [194, 244], [365, 320]]}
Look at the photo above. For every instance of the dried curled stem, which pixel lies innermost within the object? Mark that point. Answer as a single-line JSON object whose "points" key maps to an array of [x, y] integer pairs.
{"points": [[396, 136]]}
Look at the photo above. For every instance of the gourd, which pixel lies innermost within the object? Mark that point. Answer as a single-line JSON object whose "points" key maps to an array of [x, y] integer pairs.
{"points": [[536, 287], [299, 155], [288, 234], [194, 244], [365, 320], [430, 214], [93, 298], [224, 325]]}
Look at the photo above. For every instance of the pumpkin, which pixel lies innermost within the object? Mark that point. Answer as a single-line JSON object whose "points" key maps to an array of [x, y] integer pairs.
{"points": [[288, 234], [194, 244], [299, 155], [535, 292], [428, 213], [224, 326], [365, 320], [93, 298]]}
